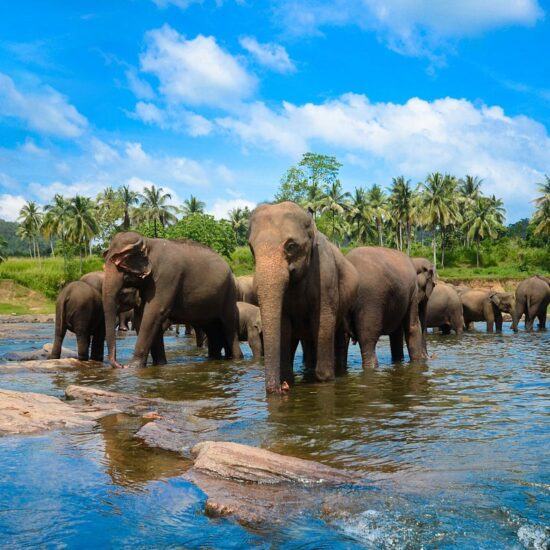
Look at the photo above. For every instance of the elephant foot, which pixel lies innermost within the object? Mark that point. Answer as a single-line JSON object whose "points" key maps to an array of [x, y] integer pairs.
{"points": [[137, 363], [283, 387], [122, 329]]}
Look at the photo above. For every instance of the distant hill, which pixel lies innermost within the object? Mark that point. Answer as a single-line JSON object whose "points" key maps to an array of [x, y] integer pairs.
{"points": [[15, 246]]}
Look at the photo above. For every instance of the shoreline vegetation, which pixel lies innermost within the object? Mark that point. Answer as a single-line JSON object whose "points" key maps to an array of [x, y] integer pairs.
{"points": [[444, 218]]}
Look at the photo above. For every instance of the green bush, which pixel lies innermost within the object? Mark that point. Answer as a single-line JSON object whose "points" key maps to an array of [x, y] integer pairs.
{"points": [[242, 261]]}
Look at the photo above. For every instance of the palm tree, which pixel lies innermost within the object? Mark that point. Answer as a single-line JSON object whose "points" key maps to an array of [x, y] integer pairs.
{"points": [[82, 224], [541, 217], [356, 215], [470, 187], [401, 209], [55, 222], [154, 208], [439, 207], [30, 218], [376, 210], [127, 199], [239, 219], [3, 243], [311, 199], [192, 205], [333, 200], [482, 222], [109, 210]]}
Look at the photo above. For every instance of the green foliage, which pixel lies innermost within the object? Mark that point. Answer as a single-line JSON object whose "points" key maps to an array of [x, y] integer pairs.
{"points": [[203, 228], [242, 261], [49, 276]]}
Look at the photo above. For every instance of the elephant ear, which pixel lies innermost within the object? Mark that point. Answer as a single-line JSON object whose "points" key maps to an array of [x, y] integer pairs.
{"points": [[495, 299], [133, 259]]}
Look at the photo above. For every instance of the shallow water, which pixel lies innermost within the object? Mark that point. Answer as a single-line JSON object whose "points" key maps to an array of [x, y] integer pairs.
{"points": [[456, 453]]}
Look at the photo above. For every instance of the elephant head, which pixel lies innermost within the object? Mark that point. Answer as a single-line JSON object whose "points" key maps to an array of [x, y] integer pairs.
{"points": [[504, 301], [426, 277], [282, 239], [126, 265]]}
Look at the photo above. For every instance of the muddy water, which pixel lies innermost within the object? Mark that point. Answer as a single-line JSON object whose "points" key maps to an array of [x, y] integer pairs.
{"points": [[456, 452]]}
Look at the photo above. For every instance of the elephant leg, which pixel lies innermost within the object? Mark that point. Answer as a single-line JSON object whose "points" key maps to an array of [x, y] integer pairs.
{"points": [[289, 343], [368, 352], [83, 345], [341, 344], [158, 354], [324, 368], [445, 329], [200, 336], [396, 345], [230, 324], [413, 334], [255, 342], [216, 339], [58, 342], [529, 319], [542, 319], [98, 345], [458, 324], [516, 316]]}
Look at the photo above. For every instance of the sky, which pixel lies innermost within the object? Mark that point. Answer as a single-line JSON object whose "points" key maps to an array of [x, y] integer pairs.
{"points": [[218, 98]]}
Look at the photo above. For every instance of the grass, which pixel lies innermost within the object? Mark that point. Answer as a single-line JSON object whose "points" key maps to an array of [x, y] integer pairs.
{"points": [[496, 272], [19, 300]]}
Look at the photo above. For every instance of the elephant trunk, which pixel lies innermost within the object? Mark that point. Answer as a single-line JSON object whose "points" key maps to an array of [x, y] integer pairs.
{"points": [[272, 282], [111, 288]]}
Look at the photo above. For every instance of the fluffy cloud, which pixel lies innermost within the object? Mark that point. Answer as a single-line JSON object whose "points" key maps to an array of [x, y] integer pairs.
{"points": [[272, 56], [448, 135], [195, 72], [44, 110], [10, 205], [221, 207], [409, 26]]}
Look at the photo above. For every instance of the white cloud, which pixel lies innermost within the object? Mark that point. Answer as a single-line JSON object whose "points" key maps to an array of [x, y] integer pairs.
{"points": [[195, 71], [273, 56], [141, 88], [10, 205], [414, 138], [44, 109], [173, 118], [409, 26], [221, 207], [31, 148]]}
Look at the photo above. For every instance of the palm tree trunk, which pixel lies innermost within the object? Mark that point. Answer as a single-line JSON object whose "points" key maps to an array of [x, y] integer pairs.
{"points": [[434, 247], [51, 247], [442, 248], [155, 227], [477, 252], [400, 237], [408, 233], [380, 233], [81, 259]]}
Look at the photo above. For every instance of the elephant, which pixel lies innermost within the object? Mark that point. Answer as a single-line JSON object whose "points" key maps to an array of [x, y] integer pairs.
{"points": [[387, 303], [178, 282], [250, 328], [445, 309], [532, 298], [129, 299], [486, 305], [79, 309], [305, 288], [426, 277], [245, 289]]}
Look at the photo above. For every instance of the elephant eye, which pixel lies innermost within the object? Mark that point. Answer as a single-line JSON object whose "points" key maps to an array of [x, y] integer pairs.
{"points": [[291, 247]]}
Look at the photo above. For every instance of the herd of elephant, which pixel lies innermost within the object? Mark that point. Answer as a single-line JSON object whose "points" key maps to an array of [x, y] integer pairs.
{"points": [[304, 291]]}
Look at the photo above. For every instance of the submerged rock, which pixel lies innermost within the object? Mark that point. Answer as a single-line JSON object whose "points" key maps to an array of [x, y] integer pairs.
{"points": [[27, 412], [39, 354], [49, 364]]}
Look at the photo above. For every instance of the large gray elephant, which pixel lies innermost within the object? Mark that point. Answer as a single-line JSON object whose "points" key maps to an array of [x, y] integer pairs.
{"points": [[250, 328], [129, 299], [305, 289], [444, 309], [246, 291], [178, 282], [486, 305], [426, 278], [79, 309], [387, 303], [532, 299]]}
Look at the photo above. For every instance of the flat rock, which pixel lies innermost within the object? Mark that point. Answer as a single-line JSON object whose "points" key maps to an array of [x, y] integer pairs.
{"points": [[174, 425], [27, 412], [244, 463], [39, 354], [49, 364]]}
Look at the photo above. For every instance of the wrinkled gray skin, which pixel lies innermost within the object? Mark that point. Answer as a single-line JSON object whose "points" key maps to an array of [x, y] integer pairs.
{"points": [[486, 305], [250, 328], [79, 309], [444, 309], [246, 291], [305, 288], [532, 299], [129, 298], [387, 303], [178, 282], [426, 278]]}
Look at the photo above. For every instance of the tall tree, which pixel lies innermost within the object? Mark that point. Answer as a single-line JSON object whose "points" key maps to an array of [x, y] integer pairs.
{"points": [[109, 211], [541, 217], [55, 221], [82, 224], [376, 210], [483, 222], [239, 218], [30, 218], [192, 205], [128, 199], [356, 214], [334, 202], [401, 209], [440, 208], [155, 209]]}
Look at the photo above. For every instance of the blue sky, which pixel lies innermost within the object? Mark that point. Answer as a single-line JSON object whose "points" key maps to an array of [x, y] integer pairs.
{"points": [[217, 98]]}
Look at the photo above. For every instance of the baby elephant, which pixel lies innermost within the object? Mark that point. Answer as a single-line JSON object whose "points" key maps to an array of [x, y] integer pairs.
{"points": [[486, 305], [250, 328], [79, 308]]}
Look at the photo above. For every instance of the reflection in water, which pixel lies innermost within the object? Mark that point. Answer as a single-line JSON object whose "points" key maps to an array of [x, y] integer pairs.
{"points": [[456, 449]]}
